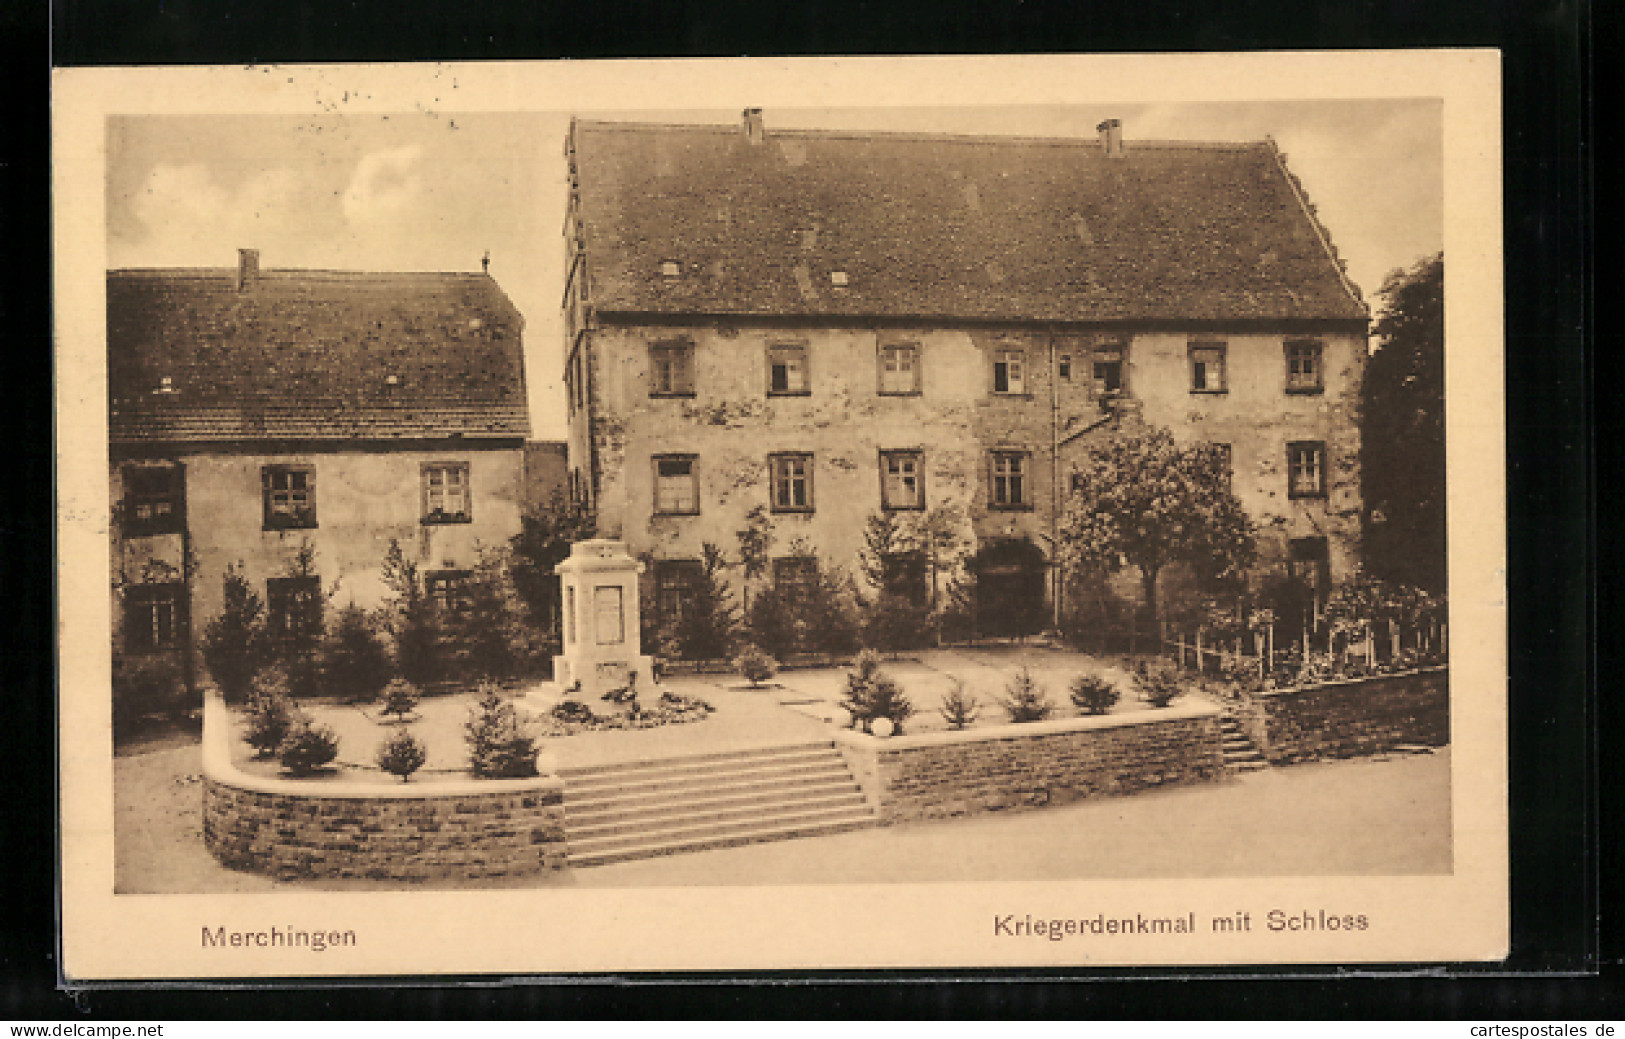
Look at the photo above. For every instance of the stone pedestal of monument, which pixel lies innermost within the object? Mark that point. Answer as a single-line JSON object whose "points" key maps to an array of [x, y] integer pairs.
{"points": [[602, 645]]}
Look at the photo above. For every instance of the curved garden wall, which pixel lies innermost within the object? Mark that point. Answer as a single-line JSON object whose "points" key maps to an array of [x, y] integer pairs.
{"points": [[1340, 719], [292, 828], [942, 774]]}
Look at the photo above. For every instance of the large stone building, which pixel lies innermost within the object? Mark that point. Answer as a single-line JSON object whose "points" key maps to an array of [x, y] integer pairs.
{"points": [[831, 325], [254, 413]]}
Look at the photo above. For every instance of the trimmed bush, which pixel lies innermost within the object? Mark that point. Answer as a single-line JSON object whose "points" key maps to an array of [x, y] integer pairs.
{"points": [[399, 698], [499, 747], [402, 754], [1093, 694], [145, 686], [959, 709], [309, 748], [1025, 700], [1160, 681], [754, 665], [355, 662], [871, 693]]}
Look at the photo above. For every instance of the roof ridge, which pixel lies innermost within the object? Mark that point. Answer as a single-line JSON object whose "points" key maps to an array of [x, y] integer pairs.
{"points": [[1086, 142]]}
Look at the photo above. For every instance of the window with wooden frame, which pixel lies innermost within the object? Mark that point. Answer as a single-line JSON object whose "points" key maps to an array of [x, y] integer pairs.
{"points": [[1009, 480], [293, 606], [671, 369], [902, 480], [1304, 366], [1306, 469], [1063, 367], [900, 369], [154, 498], [792, 482], [448, 589], [675, 581], [154, 616], [1208, 367], [787, 371], [677, 485], [795, 578], [1010, 371], [1108, 369], [446, 497], [290, 496]]}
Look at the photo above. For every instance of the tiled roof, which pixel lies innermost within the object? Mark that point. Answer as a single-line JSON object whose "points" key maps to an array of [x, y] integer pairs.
{"points": [[312, 355], [958, 227]]}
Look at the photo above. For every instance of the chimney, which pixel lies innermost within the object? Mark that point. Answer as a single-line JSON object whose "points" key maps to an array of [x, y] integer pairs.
{"points": [[755, 132], [1111, 137], [248, 268]]}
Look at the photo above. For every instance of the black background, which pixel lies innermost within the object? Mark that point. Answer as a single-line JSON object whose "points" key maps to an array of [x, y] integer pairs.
{"points": [[1565, 957]]}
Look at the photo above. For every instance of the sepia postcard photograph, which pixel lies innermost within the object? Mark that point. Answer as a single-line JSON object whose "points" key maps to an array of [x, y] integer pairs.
{"points": [[815, 514]]}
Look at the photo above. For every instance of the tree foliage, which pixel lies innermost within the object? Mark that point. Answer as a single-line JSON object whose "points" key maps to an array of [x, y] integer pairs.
{"points": [[543, 542], [233, 644], [1402, 448], [1144, 501]]}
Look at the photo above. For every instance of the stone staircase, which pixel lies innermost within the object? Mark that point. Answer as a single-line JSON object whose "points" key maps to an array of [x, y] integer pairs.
{"points": [[636, 810], [1239, 753]]}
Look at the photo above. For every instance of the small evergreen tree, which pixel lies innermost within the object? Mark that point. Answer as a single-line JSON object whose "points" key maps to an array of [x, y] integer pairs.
{"points": [[1093, 694], [959, 708], [270, 713], [412, 619], [355, 662], [499, 744], [543, 542], [1025, 700], [399, 698], [872, 694], [1160, 681], [308, 747], [233, 645], [755, 542], [710, 621], [401, 755], [754, 665]]}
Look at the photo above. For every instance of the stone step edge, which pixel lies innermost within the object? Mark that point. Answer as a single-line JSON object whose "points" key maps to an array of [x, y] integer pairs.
{"points": [[707, 780], [653, 821], [619, 767], [742, 795], [705, 831], [652, 851]]}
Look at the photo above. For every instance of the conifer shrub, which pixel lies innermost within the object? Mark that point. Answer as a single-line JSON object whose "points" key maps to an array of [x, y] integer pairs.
{"points": [[233, 644], [144, 686], [402, 754], [1093, 694], [355, 661], [872, 694], [959, 708], [1025, 700], [755, 665], [270, 713], [308, 748], [499, 743], [1160, 681], [399, 698]]}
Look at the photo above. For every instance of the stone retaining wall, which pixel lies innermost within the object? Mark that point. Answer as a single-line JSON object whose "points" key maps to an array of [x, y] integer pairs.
{"points": [[1340, 719], [939, 775], [330, 828]]}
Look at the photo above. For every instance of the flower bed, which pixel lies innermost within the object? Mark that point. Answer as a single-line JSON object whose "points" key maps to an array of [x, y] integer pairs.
{"points": [[344, 826], [941, 774]]}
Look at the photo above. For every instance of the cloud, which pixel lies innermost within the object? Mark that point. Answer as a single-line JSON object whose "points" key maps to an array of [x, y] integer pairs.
{"points": [[385, 184], [187, 211]]}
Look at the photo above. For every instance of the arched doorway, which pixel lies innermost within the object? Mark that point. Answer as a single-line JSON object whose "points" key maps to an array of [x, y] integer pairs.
{"points": [[1009, 588]]}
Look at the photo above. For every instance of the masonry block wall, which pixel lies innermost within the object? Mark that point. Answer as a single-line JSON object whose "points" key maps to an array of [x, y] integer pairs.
{"points": [[297, 835], [1034, 764], [1340, 719]]}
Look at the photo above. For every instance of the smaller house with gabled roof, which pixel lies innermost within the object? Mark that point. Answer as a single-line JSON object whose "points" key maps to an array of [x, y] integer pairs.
{"points": [[256, 414]]}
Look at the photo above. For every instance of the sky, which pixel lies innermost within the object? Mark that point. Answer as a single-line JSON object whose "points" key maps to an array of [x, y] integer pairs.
{"points": [[431, 191]]}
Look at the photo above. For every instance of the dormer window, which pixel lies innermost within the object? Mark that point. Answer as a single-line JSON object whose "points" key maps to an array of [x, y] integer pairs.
{"points": [[671, 269], [166, 385], [838, 279]]}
